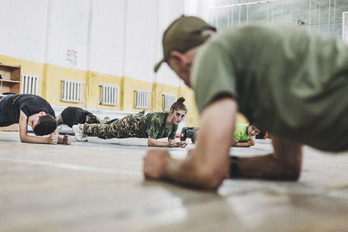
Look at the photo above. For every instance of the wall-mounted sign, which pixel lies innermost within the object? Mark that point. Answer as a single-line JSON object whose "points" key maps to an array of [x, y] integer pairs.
{"points": [[71, 57]]}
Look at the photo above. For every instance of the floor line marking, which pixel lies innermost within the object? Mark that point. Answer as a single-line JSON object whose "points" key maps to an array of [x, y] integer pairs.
{"points": [[73, 167]]}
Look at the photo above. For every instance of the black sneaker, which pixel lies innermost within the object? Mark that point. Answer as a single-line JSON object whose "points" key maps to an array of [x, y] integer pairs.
{"points": [[183, 134], [191, 133]]}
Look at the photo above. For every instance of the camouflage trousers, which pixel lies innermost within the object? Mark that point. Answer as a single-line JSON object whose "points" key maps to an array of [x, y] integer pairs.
{"points": [[126, 127]]}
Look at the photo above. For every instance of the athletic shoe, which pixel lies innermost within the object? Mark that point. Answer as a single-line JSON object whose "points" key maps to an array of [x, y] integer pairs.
{"points": [[183, 134], [188, 132], [79, 134], [194, 137], [191, 133]]}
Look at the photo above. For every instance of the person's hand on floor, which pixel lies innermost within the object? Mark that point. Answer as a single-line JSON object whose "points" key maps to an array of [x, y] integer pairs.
{"points": [[154, 163], [67, 139], [53, 138], [181, 144]]}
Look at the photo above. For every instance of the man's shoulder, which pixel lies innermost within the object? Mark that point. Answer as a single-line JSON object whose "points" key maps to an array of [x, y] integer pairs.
{"points": [[256, 31]]}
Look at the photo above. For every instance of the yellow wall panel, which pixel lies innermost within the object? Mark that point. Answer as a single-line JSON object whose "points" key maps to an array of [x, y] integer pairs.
{"points": [[159, 89], [129, 85], [50, 77], [192, 118], [94, 79], [53, 76]]}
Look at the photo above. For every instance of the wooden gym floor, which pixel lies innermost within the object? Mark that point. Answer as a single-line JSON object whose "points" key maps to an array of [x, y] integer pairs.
{"points": [[98, 186]]}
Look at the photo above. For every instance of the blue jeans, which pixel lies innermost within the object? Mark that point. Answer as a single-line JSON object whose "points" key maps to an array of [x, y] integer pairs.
{"points": [[5, 120]]}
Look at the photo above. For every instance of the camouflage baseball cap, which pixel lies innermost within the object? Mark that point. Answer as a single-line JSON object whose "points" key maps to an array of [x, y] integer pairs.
{"points": [[182, 35]]}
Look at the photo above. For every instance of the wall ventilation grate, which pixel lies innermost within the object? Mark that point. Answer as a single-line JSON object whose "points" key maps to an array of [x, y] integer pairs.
{"points": [[109, 95], [168, 100], [29, 83], [72, 91], [142, 99]]}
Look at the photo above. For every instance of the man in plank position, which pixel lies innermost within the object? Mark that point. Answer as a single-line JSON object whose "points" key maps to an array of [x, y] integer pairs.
{"points": [[305, 76], [34, 111]]}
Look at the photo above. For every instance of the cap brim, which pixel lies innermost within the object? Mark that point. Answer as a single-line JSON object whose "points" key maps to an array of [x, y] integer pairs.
{"points": [[158, 65]]}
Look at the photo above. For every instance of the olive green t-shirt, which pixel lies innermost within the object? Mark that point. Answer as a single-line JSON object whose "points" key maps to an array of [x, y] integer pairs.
{"points": [[154, 125], [287, 80], [240, 132]]}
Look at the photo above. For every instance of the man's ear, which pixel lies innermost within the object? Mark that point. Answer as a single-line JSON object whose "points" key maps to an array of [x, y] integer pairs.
{"points": [[178, 57]]}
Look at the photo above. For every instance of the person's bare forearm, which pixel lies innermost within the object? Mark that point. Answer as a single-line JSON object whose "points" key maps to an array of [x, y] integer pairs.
{"points": [[158, 144], [33, 139], [155, 143], [207, 165], [242, 144], [284, 164], [265, 167], [181, 171], [193, 172]]}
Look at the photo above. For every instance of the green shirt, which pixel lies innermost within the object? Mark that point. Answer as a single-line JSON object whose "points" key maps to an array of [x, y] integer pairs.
{"points": [[154, 125], [240, 132], [287, 80]]}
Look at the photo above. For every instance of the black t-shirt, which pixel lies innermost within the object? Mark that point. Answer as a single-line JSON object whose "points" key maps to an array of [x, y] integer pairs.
{"points": [[28, 103], [74, 115]]}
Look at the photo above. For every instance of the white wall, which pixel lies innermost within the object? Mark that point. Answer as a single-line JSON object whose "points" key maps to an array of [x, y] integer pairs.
{"points": [[169, 11], [140, 35], [68, 29], [107, 40], [117, 37], [23, 29]]}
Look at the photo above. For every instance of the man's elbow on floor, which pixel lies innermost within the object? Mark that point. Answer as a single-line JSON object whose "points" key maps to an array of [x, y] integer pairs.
{"points": [[212, 180], [294, 174], [25, 141], [150, 143], [22, 139], [287, 174]]}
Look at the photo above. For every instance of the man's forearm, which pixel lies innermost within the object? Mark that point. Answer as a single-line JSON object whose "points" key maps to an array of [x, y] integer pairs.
{"points": [[207, 165], [196, 171], [242, 144], [33, 139], [190, 172], [265, 167], [283, 164]]}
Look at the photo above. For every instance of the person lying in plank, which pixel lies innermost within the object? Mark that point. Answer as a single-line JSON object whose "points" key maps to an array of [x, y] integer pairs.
{"points": [[152, 126], [34, 111]]}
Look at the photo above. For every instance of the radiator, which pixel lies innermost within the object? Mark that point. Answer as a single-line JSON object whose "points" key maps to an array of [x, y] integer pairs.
{"points": [[72, 91], [109, 95], [168, 100], [142, 99], [29, 83]]}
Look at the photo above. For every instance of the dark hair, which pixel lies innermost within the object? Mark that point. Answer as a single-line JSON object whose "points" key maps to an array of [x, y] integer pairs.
{"points": [[46, 125], [91, 118], [178, 105]]}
